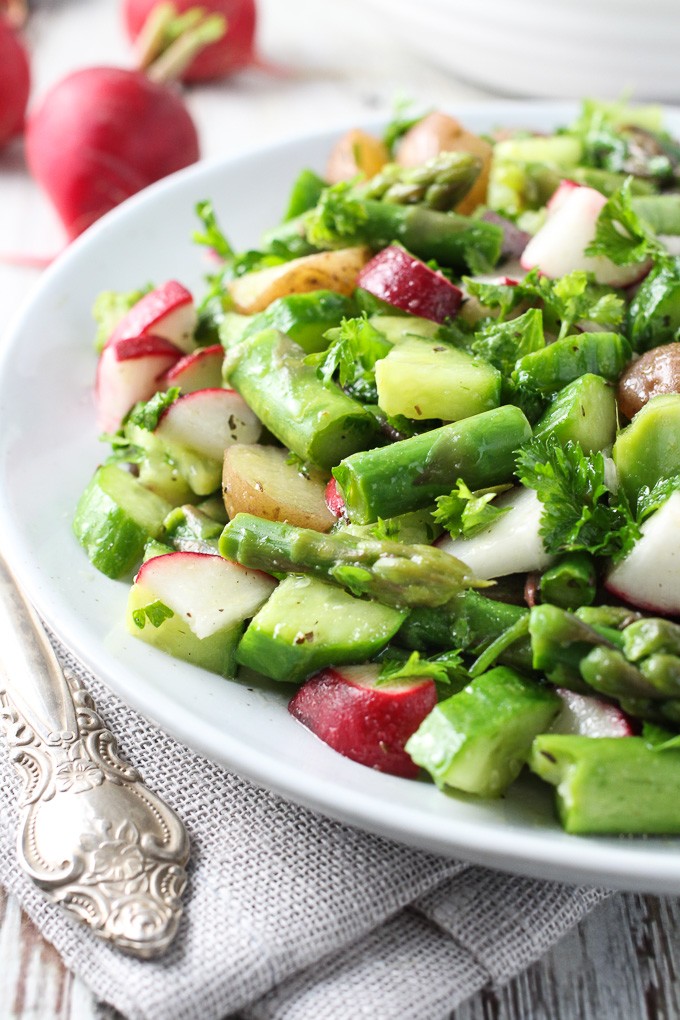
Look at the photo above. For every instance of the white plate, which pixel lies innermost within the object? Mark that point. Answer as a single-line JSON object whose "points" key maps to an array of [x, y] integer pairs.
{"points": [[48, 450]]}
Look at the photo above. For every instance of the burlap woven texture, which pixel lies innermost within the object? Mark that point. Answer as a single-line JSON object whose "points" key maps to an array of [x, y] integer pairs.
{"points": [[292, 916]]}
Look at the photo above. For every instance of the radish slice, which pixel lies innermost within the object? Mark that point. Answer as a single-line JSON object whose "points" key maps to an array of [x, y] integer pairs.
{"points": [[512, 544], [334, 500], [167, 311], [558, 248], [209, 592], [208, 421], [404, 281], [586, 716], [370, 724], [129, 371], [200, 370], [649, 576]]}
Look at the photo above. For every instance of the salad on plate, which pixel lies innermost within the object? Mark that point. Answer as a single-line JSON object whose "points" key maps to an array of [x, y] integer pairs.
{"points": [[418, 455]]}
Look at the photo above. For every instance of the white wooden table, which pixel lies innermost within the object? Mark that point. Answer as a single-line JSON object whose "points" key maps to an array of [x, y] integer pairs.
{"points": [[622, 961]]}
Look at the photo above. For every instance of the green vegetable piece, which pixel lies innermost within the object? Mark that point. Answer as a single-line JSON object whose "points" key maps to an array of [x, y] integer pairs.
{"points": [[654, 312], [610, 784], [650, 635], [398, 328], [160, 627], [583, 412], [472, 622], [415, 528], [305, 193], [109, 308], [305, 318], [425, 379], [440, 183], [479, 739], [189, 529], [342, 218], [648, 449], [319, 423], [411, 473], [399, 575], [563, 151], [307, 625], [114, 518], [559, 642], [660, 212], [550, 369], [607, 671], [570, 583]]}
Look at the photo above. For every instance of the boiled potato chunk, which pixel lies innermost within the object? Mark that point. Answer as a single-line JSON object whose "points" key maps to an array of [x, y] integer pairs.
{"points": [[259, 480], [355, 154], [325, 270]]}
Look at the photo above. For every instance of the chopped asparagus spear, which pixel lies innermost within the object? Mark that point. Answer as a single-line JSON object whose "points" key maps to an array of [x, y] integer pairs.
{"points": [[396, 574]]}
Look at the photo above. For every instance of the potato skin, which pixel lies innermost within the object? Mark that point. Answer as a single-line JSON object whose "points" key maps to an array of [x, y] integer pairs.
{"points": [[259, 480], [655, 372], [356, 153], [326, 270], [437, 132]]}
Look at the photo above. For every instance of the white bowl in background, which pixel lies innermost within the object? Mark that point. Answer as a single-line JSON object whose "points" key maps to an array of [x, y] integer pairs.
{"points": [[601, 48]]}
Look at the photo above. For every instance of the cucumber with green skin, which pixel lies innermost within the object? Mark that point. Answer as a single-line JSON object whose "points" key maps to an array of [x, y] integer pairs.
{"points": [[479, 739], [115, 517], [550, 369], [583, 412], [648, 449], [426, 379], [307, 625]]}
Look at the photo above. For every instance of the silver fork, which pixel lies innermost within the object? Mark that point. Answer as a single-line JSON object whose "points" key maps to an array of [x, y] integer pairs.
{"points": [[91, 834]]}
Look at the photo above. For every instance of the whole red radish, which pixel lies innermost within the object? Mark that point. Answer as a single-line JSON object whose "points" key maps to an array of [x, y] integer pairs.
{"points": [[234, 51], [15, 82], [102, 134]]}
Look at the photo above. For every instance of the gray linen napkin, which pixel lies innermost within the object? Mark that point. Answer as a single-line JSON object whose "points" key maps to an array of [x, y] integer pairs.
{"points": [[292, 916]]}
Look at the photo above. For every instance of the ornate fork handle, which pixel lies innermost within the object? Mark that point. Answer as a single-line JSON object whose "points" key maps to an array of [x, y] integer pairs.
{"points": [[91, 834]]}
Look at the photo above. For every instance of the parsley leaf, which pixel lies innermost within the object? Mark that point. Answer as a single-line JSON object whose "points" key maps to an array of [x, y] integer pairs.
{"points": [[466, 513], [148, 413], [579, 510], [354, 348], [337, 216], [570, 299], [212, 236], [443, 669], [621, 235], [154, 613], [504, 343]]}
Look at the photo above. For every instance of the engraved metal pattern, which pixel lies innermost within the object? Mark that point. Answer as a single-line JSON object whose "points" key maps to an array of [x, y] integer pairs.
{"points": [[91, 834]]}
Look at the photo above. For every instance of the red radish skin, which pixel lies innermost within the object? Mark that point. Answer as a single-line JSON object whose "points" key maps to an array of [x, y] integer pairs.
{"points": [[369, 724], [15, 82], [128, 371], [102, 134], [559, 246], [200, 370], [166, 311], [560, 194], [407, 283], [334, 500], [233, 52]]}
